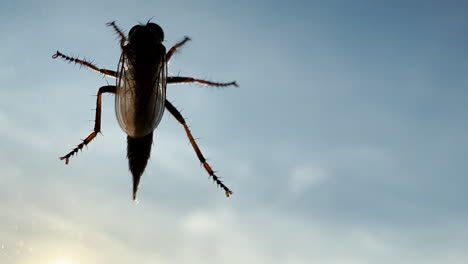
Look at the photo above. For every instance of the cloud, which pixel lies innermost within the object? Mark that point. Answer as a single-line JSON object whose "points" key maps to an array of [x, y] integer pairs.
{"points": [[304, 177], [91, 228]]}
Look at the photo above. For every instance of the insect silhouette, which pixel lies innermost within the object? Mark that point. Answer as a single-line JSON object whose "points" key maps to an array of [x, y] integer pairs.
{"points": [[140, 96]]}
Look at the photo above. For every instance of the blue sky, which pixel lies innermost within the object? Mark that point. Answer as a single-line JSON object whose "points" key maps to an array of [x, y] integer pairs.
{"points": [[345, 143]]}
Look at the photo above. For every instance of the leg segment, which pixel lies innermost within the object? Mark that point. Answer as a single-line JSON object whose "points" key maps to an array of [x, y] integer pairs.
{"points": [[175, 47], [123, 39], [97, 123], [84, 63], [176, 80], [202, 159]]}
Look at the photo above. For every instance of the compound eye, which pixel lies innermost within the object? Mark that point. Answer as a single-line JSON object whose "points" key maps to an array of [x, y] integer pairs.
{"points": [[133, 30], [156, 30]]}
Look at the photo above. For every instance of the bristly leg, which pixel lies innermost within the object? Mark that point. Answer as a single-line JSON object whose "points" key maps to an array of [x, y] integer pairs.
{"points": [[175, 48], [180, 79], [123, 39], [85, 63], [200, 156], [97, 122]]}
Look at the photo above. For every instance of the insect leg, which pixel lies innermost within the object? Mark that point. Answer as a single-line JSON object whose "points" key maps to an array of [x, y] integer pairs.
{"points": [[175, 47], [123, 39], [179, 79], [97, 122], [85, 63], [202, 159]]}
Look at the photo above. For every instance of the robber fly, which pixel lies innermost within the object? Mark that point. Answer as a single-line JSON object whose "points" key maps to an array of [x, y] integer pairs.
{"points": [[140, 96]]}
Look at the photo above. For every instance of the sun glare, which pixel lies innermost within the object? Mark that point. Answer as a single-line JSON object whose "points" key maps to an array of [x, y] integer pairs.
{"points": [[62, 261]]}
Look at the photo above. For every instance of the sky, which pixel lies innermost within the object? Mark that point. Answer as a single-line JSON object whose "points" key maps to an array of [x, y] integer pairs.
{"points": [[346, 141]]}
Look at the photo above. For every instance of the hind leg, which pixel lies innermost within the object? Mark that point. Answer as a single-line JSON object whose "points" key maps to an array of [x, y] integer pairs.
{"points": [[200, 156], [97, 123]]}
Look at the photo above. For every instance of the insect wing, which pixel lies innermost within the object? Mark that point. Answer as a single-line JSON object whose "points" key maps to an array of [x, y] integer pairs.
{"points": [[139, 100]]}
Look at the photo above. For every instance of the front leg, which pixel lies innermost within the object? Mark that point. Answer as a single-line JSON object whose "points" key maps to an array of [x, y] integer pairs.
{"points": [[123, 39], [200, 156], [175, 47], [97, 122]]}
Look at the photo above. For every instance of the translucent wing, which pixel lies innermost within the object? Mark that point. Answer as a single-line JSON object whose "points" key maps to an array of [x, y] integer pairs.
{"points": [[141, 93]]}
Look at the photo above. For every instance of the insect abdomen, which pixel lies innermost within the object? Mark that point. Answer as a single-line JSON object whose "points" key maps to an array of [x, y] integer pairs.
{"points": [[138, 153]]}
